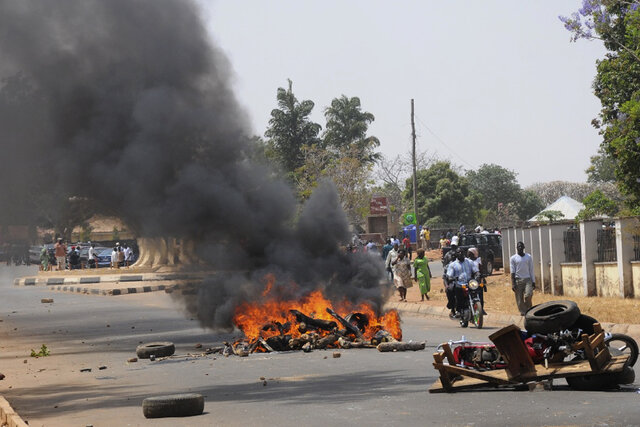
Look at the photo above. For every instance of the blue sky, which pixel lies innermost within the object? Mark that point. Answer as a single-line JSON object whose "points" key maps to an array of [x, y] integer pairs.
{"points": [[494, 81]]}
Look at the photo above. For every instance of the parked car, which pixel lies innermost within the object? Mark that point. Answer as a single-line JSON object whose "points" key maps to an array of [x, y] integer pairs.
{"points": [[489, 247], [104, 257], [34, 254]]}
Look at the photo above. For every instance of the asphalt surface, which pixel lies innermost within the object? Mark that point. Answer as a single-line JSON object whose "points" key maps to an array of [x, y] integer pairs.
{"points": [[362, 387]]}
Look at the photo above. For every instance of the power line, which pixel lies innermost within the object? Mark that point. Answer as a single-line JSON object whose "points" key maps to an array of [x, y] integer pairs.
{"points": [[443, 143]]}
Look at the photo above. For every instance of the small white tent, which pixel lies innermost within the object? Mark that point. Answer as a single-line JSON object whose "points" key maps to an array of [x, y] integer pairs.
{"points": [[565, 204]]}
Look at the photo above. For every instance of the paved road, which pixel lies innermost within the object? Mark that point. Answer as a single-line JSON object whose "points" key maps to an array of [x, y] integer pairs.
{"points": [[363, 387]]}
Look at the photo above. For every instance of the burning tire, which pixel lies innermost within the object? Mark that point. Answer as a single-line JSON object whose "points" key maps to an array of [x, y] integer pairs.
{"points": [[175, 405], [156, 349], [551, 317]]}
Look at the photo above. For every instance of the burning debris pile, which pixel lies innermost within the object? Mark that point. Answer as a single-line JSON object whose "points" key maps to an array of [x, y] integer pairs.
{"points": [[313, 323]]}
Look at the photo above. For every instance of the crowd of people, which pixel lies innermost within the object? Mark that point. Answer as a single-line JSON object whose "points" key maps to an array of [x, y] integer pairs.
{"points": [[449, 237], [64, 258], [398, 264]]}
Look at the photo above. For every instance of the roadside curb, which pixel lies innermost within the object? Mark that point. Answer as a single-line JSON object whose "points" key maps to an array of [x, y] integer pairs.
{"points": [[8, 416], [442, 312], [114, 292], [104, 278]]}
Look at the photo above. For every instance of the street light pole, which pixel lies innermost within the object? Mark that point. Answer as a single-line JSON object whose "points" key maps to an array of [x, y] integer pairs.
{"points": [[415, 185]]}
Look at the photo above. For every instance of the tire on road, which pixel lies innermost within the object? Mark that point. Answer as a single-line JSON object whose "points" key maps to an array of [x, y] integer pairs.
{"points": [[175, 405], [602, 381], [479, 317], [551, 316], [488, 267], [630, 347], [156, 349]]}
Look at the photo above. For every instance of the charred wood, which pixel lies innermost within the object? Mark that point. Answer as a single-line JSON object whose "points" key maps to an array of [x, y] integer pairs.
{"points": [[311, 322], [326, 341], [400, 346], [348, 326], [279, 342]]}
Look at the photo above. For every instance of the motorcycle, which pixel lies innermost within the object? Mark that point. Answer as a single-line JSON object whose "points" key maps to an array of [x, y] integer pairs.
{"points": [[543, 349], [473, 310]]}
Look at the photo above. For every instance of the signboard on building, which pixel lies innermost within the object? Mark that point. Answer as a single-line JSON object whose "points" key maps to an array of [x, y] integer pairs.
{"points": [[379, 206]]}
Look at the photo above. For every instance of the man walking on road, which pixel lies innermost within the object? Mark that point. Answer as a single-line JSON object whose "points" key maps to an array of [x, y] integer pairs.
{"points": [[60, 250], [523, 280]]}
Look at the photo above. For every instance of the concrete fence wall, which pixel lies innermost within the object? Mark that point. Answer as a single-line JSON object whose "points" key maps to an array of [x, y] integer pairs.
{"points": [[545, 243]]}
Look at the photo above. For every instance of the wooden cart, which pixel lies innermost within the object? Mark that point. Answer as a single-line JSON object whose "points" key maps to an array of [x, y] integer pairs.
{"points": [[520, 367]]}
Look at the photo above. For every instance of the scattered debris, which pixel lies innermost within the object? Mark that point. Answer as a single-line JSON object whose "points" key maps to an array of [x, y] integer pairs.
{"points": [[152, 358], [132, 360], [336, 354], [102, 368], [2, 376], [198, 345], [46, 300], [85, 370]]}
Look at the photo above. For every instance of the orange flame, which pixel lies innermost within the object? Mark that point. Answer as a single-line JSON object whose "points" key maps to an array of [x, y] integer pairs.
{"points": [[259, 319]]}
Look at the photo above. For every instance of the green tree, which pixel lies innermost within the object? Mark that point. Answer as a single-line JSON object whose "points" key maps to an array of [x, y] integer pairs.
{"points": [[346, 130], [443, 196], [351, 177], [290, 129], [597, 204], [617, 84], [495, 184], [528, 204], [549, 216], [602, 168]]}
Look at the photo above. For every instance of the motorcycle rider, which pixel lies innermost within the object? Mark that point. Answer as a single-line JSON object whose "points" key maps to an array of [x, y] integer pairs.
{"points": [[460, 272], [472, 254], [448, 258]]}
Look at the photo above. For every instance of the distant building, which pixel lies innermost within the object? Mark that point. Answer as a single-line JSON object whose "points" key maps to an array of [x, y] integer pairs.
{"points": [[565, 204]]}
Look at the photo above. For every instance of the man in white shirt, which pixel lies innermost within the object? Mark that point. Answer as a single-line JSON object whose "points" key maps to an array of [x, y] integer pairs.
{"points": [[523, 280], [128, 255], [92, 256]]}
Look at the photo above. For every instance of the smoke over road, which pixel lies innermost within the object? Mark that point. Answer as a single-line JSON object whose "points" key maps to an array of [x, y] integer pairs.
{"points": [[128, 103]]}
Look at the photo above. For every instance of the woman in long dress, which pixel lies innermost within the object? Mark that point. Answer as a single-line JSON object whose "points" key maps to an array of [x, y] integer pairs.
{"points": [[422, 273], [402, 274]]}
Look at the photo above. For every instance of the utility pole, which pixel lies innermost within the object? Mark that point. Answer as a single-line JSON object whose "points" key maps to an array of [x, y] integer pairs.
{"points": [[415, 185]]}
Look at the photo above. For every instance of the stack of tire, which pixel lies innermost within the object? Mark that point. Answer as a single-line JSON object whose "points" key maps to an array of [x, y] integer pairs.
{"points": [[556, 316]]}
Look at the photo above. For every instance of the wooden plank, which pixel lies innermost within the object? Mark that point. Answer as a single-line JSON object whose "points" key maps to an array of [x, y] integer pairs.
{"points": [[498, 376], [509, 343], [596, 340], [448, 354], [588, 352], [444, 375], [575, 369], [602, 358], [597, 328], [463, 384]]}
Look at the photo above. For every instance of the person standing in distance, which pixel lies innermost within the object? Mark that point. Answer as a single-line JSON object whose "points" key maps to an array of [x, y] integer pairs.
{"points": [[523, 280]]}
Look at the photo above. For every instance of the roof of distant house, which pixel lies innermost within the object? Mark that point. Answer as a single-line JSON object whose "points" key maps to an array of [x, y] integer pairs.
{"points": [[565, 204]]}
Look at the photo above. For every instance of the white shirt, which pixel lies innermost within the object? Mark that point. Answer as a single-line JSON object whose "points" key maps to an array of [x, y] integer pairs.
{"points": [[522, 267], [455, 240], [128, 254], [91, 253], [114, 256]]}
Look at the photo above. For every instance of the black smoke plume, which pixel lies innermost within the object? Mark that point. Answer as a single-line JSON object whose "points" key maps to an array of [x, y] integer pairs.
{"points": [[128, 103]]}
